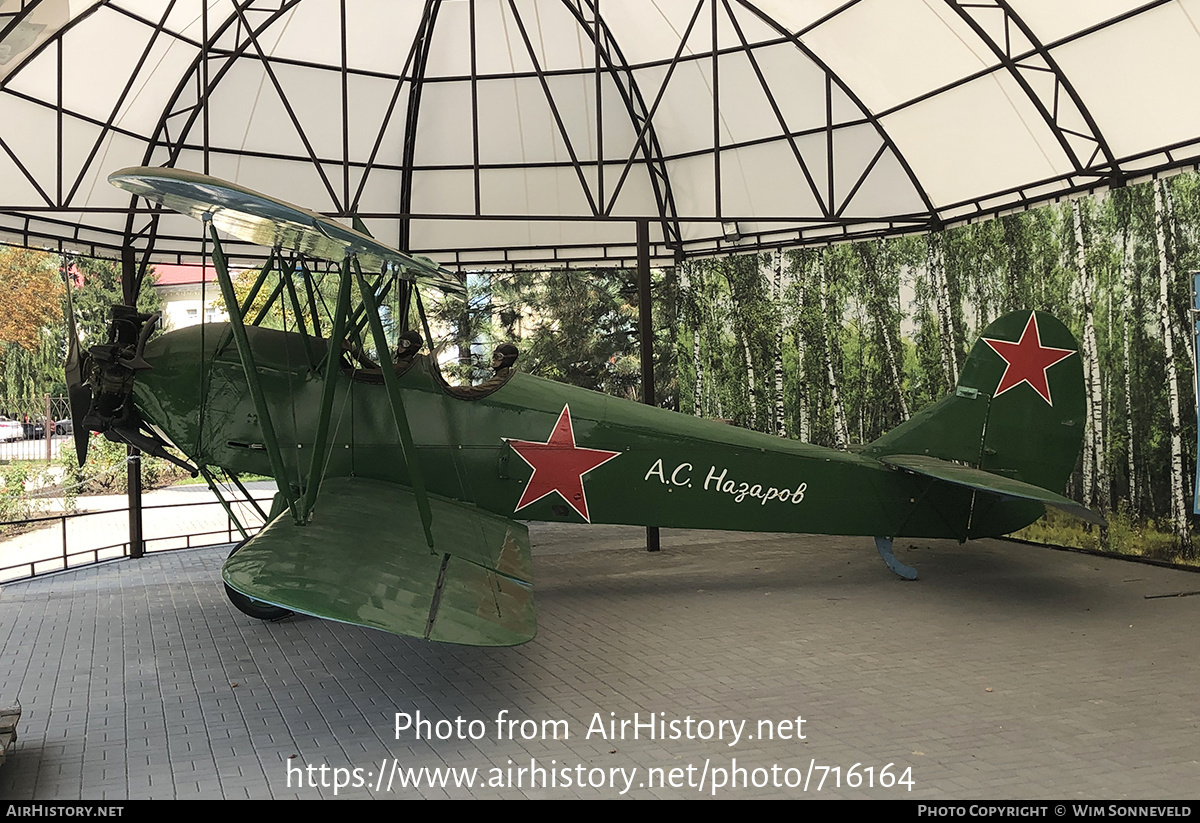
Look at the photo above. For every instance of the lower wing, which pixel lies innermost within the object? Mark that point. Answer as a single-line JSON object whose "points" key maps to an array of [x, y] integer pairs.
{"points": [[363, 560]]}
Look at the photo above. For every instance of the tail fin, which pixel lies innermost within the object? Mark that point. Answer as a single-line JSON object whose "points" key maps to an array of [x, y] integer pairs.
{"points": [[1017, 411]]}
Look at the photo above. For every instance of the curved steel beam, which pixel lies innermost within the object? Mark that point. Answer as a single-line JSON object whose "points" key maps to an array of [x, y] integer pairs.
{"points": [[648, 120], [1004, 54], [157, 30], [832, 76], [45, 44], [420, 62], [287, 105], [619, 71], [205, 85], [387, 116], [748, 50]]}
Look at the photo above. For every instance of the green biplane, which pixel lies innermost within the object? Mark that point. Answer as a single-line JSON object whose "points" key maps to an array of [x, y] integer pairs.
{"points": [[399, 495]]}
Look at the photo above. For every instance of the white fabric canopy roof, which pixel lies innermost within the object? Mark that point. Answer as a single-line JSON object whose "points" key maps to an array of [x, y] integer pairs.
{"points": [[532, 131]]}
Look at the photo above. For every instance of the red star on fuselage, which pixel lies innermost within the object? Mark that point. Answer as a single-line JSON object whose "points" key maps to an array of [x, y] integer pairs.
{"points": [[559, 466], [1027, 360]]}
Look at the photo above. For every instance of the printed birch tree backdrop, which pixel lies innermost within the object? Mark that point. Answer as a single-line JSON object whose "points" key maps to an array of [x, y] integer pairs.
{"points": [[838, 345]]}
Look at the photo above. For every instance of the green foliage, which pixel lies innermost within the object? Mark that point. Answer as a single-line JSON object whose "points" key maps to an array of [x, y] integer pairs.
{"points": [[31, 362], [575, 326], [105, 470], [587, 332], [1126, 535], [101, 290], [14, 500], [21, 485], [27, 374], [31, 341]]}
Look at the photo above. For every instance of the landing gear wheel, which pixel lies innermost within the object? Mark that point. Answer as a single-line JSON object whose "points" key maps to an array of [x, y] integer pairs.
{"points": [[249, 606]]}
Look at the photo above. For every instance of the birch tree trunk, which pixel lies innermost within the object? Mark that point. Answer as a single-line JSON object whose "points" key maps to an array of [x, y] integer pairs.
{"points": [[1178, 486], [743, 324], [841, 433], [1171, 221], [941, 300], [878, 303], [861, 390], [1127, 275], [892, 363], [777, 300], [802, 403], [713, 346], [1095, 479]]}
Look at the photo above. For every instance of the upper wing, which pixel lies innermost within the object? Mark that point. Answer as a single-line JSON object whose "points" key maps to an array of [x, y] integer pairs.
{"points": [[363, 560], [986, 481], [265, 221]]}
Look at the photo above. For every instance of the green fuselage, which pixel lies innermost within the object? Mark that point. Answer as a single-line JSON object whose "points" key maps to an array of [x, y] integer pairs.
{"points": [[666, 469]]}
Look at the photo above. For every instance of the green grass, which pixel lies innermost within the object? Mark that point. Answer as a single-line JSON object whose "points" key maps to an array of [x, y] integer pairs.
{"points": [[1124, 536], [199, 479]]}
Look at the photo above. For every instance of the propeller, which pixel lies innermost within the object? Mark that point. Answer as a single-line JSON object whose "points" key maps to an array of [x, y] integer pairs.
{"points": [[100, 385]]}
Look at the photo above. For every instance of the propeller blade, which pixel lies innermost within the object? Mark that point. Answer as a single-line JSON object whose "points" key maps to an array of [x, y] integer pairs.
{"points": [[79, 393], [149, 444]]}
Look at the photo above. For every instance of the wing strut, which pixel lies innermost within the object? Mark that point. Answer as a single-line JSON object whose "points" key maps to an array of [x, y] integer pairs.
{"points": [[398, 413], [216, 490], [248, 365], [258, 282], [289, 282], [320, 444]]}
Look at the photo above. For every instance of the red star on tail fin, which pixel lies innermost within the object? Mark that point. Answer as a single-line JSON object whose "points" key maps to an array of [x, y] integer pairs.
{"points": [[1027, 360]]}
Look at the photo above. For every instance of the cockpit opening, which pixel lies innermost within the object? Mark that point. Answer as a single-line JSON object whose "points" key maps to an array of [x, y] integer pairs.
{"points": [[362, 368]]}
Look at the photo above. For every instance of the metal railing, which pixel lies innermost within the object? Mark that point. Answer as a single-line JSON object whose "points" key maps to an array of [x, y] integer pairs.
{"points": [[35, 533], [43, 425]]}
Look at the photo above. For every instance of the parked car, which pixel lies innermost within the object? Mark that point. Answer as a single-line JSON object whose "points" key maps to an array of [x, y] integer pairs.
{"points": [[63, 426], [34, 430], [11, 429]]}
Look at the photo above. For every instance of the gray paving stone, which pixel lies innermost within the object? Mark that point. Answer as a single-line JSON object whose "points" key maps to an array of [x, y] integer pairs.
{"points": [[127, 676]]}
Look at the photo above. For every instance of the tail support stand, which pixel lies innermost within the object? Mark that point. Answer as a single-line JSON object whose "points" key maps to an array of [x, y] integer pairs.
{"points": [[884, 546]]}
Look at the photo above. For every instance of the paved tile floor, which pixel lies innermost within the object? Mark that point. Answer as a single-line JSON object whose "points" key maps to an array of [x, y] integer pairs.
{"points": [[1008, 671]]}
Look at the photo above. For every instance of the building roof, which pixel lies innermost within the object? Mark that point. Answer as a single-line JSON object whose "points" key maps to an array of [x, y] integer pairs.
{"points": [[170, 274]]}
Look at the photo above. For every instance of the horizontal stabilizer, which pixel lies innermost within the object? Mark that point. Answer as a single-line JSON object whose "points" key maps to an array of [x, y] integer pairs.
{"points": [[363, 560], [985, 481]]}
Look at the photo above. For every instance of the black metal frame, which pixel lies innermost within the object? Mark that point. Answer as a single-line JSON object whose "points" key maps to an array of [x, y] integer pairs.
{"points": [[183, 127]]}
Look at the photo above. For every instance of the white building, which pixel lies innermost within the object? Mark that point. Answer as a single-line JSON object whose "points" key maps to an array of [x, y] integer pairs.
{"points": [[190, 294]]}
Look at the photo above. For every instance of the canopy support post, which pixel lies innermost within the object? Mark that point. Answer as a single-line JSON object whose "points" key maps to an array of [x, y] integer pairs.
{"points": [[646, 337], [133, 457]]}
